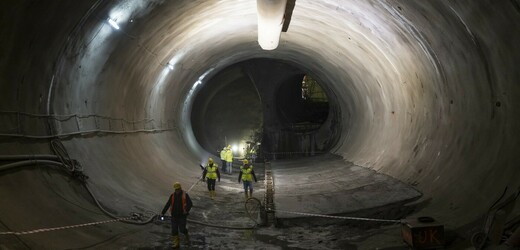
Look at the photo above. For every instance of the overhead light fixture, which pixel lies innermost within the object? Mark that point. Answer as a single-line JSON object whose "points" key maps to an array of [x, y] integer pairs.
{"points": [[270, 22], [113, 23]]}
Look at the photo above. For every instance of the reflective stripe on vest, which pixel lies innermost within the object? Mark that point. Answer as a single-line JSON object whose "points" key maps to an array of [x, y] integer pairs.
{"points": [[183, 202], [246, 173], [212, 172]]}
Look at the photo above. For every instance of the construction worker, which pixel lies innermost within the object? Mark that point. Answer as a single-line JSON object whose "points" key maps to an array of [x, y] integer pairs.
{"points": [[180, 206], [211, 174], [229, 159], [253, 155], [246, 176], [223, 158]]}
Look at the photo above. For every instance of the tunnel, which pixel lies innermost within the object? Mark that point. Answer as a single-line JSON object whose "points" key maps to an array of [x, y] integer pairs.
{"points": [[105, 104]]}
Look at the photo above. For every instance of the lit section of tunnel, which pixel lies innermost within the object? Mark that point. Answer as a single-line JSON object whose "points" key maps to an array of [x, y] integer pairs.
{"points": [[423, 91]]}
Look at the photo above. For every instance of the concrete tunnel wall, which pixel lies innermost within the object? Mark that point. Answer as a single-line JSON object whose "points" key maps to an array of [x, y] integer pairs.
{"points": [[428, 90]]}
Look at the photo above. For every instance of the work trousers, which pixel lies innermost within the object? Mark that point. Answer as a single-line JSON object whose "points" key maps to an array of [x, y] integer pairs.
{"points": [[211, 184], [223, 165], [248, 184], [179, 224], [229, 167]]}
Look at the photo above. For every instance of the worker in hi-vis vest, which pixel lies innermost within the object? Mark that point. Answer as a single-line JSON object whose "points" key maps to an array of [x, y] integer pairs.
{"points": [[210, 175], [223, 158], [246, 176], [229, 159], [180, 206]]}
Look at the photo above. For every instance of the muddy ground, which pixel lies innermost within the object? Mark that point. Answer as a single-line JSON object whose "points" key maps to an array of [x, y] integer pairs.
{"points": [[224, 214]]}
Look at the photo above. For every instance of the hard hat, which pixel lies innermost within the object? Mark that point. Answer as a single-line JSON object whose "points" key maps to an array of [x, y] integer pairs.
{"points": [[210, 160], [177, 185], [246, 161]]}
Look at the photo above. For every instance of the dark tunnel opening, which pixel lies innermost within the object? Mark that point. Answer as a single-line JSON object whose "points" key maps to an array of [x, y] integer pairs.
{"points": [[301, 100], [302, 109], [227, 111], [269, 105]]}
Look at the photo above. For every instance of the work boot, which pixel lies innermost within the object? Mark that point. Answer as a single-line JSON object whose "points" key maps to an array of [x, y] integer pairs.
{"points": [[210, 194], [175, 240], [214, 193], [187, 239], [250, 194], [245, 195]]}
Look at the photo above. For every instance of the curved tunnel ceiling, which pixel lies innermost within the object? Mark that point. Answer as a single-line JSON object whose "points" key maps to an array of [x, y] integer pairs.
{"points": [[427, 91]]}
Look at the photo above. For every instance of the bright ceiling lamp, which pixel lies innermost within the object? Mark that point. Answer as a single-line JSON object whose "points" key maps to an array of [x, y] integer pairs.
{"points": [[270, 22], [113, 23]]}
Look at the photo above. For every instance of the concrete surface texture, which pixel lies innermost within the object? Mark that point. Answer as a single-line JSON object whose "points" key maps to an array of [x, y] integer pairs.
{"points": [[423, 93], [340, 187]]}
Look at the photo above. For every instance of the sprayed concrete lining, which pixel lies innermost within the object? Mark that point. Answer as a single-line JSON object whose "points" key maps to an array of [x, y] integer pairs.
{"points": [[340, 188], [427, 92]]}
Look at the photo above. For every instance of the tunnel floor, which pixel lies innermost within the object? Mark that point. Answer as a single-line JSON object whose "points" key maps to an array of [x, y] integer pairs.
{"points": [[290, 232], [223, 223], [227, 225]]}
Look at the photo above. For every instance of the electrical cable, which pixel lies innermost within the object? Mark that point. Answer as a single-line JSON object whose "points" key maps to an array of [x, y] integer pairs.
{"points": [[62, 153], [54, 163], [85, 132], [30, 163], [28, 157], [136, 216], [41, 230], [338, 217], [50, 186], [194, 184]]}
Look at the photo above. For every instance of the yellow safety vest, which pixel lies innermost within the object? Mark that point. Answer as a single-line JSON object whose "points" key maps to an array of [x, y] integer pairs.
{"points": [[223, 154], [246, 173], [229, 156], [211, 172]]}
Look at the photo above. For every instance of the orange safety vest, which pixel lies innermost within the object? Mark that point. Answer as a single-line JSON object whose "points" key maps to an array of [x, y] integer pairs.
{"points": [[183, 202]]}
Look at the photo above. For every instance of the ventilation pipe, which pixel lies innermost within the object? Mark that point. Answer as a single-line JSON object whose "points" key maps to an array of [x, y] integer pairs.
{"points": [[270, 22]]}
